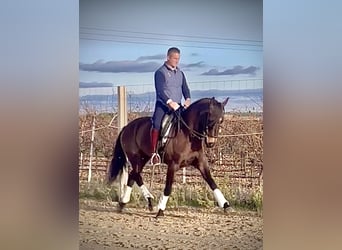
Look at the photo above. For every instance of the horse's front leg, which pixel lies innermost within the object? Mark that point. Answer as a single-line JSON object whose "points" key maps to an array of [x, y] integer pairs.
{"points": [[202, 166], [167, 190]]}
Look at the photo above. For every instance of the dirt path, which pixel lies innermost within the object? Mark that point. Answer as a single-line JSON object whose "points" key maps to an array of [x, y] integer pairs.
{"points": [[102, 227]]}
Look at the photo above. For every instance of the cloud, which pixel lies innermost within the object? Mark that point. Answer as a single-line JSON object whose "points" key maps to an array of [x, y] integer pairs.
{"points": [[120, 66], [139, 65], [189, 66], [84, 85], [193, 65], [237, 70], [154, 57]]}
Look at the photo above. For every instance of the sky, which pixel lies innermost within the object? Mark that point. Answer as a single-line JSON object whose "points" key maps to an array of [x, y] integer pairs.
{"points": [[125, 42]]}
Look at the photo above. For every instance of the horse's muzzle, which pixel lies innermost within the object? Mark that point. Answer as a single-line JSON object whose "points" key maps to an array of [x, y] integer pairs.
{"points": [[210, 141]]}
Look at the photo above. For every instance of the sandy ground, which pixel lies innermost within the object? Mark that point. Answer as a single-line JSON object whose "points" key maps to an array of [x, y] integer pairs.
{"points": [[102, 227]]}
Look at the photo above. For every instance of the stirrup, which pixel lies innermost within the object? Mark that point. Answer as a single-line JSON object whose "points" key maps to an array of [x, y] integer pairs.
{"points": [[155, 159]]}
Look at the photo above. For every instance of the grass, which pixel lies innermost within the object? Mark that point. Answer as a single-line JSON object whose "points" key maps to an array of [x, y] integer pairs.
{"points": [[182, 195]]}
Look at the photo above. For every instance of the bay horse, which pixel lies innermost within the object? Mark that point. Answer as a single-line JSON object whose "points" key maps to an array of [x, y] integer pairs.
{"points": [[199, 124]]}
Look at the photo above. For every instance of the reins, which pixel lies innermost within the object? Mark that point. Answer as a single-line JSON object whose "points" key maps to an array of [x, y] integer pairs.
{"points": [[193, 132]]}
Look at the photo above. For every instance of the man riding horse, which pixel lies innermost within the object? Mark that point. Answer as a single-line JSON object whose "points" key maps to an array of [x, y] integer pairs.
{"points": [[170, 85]]}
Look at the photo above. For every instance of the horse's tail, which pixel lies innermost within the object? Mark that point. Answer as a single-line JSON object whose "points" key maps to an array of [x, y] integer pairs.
{"points": [[118, 161]]}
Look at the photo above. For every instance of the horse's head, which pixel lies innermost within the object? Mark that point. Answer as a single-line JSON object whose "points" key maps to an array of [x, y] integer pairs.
{"points": [[214, 117], [205, 116]]}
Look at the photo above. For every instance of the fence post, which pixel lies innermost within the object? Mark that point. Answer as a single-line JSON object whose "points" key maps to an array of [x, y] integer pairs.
{"points": [[184, 175], [91, 148], [220, 156], [122, 99]]}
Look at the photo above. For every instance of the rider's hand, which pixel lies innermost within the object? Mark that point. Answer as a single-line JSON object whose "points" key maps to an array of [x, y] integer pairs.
{"points": [[187, 103], [174, 105]]}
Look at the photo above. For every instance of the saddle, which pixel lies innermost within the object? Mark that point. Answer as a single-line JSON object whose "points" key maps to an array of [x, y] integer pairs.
{"points": [[168, 130]]}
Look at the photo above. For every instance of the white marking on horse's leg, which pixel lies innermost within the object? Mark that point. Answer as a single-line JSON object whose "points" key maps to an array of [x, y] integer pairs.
{"points": [[146, 193], [219, 197], [123, 181], [127, 194], [162, 202]]}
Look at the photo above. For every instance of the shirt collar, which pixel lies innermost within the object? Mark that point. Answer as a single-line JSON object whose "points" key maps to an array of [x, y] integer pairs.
{"points": [[170, 68]]}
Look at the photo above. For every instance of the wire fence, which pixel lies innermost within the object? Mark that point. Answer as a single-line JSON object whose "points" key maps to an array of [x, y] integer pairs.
{"points": [[237, 157]]}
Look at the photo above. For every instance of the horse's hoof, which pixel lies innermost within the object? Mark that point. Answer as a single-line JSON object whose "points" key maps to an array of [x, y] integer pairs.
{"points": [[226, 207], [160, 213], [121, 206], [150, 207]]}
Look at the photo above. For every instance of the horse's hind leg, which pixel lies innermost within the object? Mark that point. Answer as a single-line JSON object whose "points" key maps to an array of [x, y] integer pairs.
{"points": [[146, 193], [126, 194]]}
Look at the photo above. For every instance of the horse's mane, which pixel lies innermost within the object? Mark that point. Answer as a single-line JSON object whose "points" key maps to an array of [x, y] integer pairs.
{"points": [[197, 103], [200, 100]]}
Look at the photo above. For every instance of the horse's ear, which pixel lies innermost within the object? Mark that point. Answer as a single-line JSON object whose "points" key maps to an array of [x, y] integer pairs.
{"points": [[224, 103]]}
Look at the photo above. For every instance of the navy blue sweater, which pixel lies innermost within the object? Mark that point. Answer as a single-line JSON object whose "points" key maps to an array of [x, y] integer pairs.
{"points": [[170, 84]]}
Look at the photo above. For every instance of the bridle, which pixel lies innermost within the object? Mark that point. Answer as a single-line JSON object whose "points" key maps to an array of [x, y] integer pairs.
{"points": [[193, 132]]}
